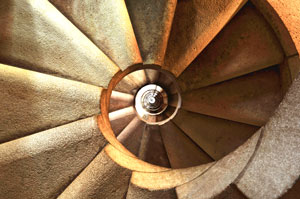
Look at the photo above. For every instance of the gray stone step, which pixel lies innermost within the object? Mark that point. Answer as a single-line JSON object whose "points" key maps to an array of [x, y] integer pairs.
{"points": [[37, 36], [195, 24], [182, 151], [217, 137], [107, 24], [43, 164], [246, 44], [152, 20], [250, 99], [34, 102]]}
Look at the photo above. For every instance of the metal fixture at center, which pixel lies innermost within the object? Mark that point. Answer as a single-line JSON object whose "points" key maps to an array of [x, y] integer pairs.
{"points": [[151, 100]]}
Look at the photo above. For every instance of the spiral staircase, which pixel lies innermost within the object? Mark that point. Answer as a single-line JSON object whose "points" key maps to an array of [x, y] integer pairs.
{"points": [[146, 99]]}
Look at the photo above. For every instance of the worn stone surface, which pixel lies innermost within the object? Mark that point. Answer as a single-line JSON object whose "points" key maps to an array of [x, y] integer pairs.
{"points": [[181, 150], [152, 75], [277, 25], [288, 12], [32, 102], [217, 137], [119, 100], [102, 178], [41, 165], [250, 99], [121, 118], [275, 166], [218, 177], [152, 148], [195, 24], [292, 193], [152, 20], [135, 192], [246, 44], [36, 36], [107, 24]]}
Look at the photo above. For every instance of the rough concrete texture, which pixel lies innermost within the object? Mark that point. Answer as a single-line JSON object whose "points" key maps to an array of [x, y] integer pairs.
{"points": [[294, 66], [250, 99], [181, 150], [195, 24], [275, 166], [135, 192], [121, 118], [102, 178], [35, 35], [218, 177], [217, 137], [152, 21], [152, 148], [292, 193], [246, 44], [288, 12], [107, 24], [278, 26], [43, 164], [32, 102], [231, 192], [119, 100]]}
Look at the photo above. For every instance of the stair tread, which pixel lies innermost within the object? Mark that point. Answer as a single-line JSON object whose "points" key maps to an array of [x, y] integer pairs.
{"points": [[181, 150], [107, 24], [217, 137], [121, 118], [246, 44], [275, 166], [250, 99], [36, 101], [102, 178], [40, 165], [195, 24], [221, 175], [151, 21], [119, 100], [38, 37], [135, 192]]}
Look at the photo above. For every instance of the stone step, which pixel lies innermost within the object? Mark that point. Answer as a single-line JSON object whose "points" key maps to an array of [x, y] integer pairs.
{"points": [[121, 118], [246, 44], [37, 36], [217, 137], [152, 20], [182, 151], [249, 99], [43, 164], [195, 24], [275, 167], [34, 102], [119, 100], [107, 24]]}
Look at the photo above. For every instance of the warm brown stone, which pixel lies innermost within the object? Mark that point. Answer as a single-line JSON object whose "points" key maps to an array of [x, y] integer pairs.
{"points": [[245, 45], [294, 66], [41, 165], [231, 192], [221, 175], [275, 166], [35, 101], [102, 178], [152, 20], [196, 23], [249, 99], [36, 36], [292, 193], [181, 150], [101, 20], [217, 137]]}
